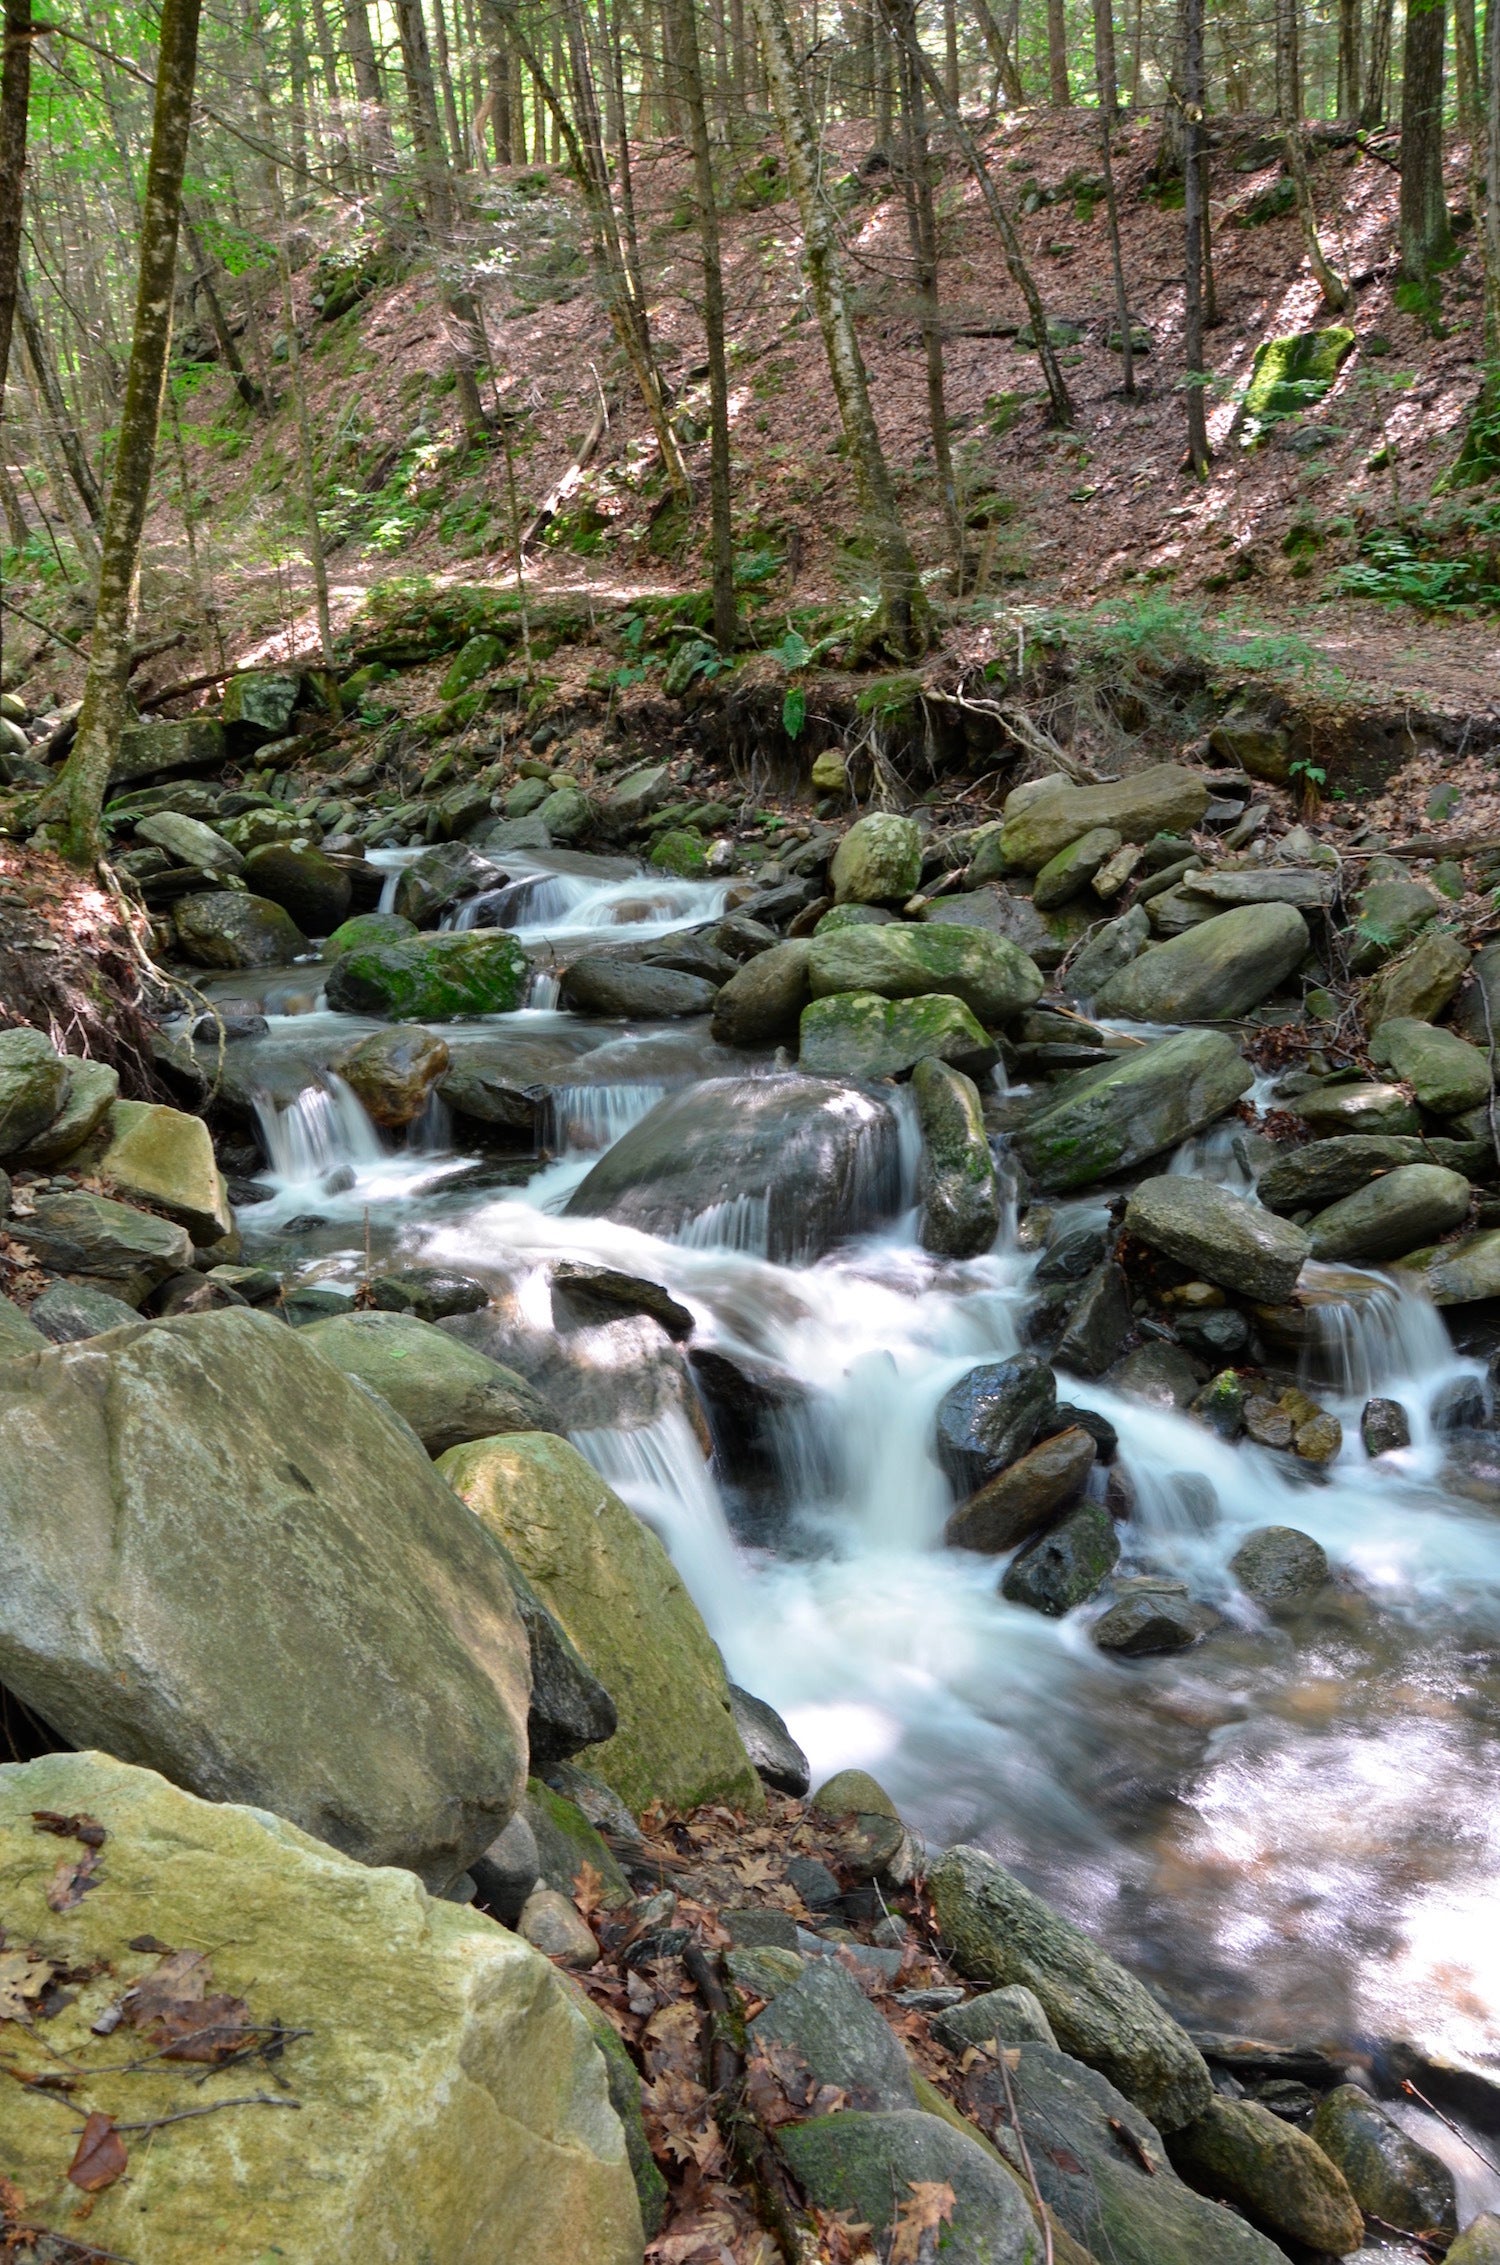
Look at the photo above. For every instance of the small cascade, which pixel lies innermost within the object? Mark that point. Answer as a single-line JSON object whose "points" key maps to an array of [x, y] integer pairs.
{"points": [[1367, 1333], [739, 1223], [661, 1473], [432, 1134], [594, 1116], [324, 1131], [544, 991]]}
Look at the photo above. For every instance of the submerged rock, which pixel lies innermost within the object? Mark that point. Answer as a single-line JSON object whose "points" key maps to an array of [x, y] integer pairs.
{"points": [[1389, 2175], [1383, 1427], [1147, 1625], [1215, 971], [1221, 1236], [1109, 1119], [860, 1035], [959, 1189]]}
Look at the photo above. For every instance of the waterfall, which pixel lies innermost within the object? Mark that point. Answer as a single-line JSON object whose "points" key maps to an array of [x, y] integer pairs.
{"points": [[661, 1473], [594, 1116], [1367, 1333], [739, 1222], [324, 1129]]}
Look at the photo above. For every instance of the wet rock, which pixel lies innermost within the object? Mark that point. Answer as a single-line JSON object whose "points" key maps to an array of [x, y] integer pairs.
{"points": [[91, 1234], [166, 1158], [767, 1454], [862, 2164], [1383, 1427], [1047, 815], [1323, 1173], [1356, 1108], [1241, 2153], [1479, 2243], [507, 1871], [1277, 1566], [1163, 1375], [1110, 947], [779, 1761], [960, 1190], [1012, 2016], [367, 928], [1407, 1208], [1074, 1248], [306, 884], [551, 1924], [993, 978], [1389, 2175], [495, 2100], [1446, 1074], [819, 1159], [857, 1034], [429, 1292], [1221, 1236], [1456, 1274], [33, 1087], [444, 1389], [89, 1094], [879, 861], [431, 978], [583, 1297], [1109, 1119], [1219, 1333], [226, 928], [1217, 970], [761, 1005], [1098, 1324], [603, 983], [743, 938], [990, 1417], [1221, 1405], [1013, 1506], [190, 1442], [68, 1311], [610, 1584], [1069, 873], [1147, 1625], [1067, 1566], [393, 1071], [999, 1933]]}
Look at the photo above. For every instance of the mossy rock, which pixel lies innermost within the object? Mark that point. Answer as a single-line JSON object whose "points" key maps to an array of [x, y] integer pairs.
{"points": [[1291, 374], [472, 661], [856, 1034], [437, 978], [683, 854], [368, 928]]}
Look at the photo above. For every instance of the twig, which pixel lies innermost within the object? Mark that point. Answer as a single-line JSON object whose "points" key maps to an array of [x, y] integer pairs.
{"points": [[1457, 2130], [186, 2115], [1025, 2154], [56, 634]]}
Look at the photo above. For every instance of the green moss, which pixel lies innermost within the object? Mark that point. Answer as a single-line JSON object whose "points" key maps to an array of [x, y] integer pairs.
{"points": [[682, 854], [432, 978], [1291, 374]]}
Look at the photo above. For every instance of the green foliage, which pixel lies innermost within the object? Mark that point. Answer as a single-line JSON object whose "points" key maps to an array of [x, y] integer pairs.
{"points": [[1447, 563], [1478, 458], [794, 711]]}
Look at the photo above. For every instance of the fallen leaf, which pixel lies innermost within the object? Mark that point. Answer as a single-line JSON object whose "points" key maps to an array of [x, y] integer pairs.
{"points": [[1065, 2160], [671, 2041], [928, 2207], [171, 2002], [87, 1829], [24, 1975], [71, 1882], [588, 1890], [100, 2157], [1137, 2147]]}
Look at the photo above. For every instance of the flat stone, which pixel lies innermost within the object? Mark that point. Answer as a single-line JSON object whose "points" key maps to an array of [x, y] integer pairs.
{"points": [[1070, 872], [444, 1389], [1304, 886], [1012, 2016], [584, 1297], [1108, 1120], [858, 1034], [863, 2164], [1218, 970], [68, 1311], [1010, 1508], [93, 1235], [1400, 1212], [1221, 1236], [145, 750], [1446, 1074], [1042, 819], [18, 1335], [1356, 1108], [91, 1091], [1323, 1173], [190, 842]]}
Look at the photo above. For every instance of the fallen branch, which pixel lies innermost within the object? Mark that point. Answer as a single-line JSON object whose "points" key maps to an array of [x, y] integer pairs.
{"points": [[186, 2115], [548, 510], [1025, 2154], [47, 631]]}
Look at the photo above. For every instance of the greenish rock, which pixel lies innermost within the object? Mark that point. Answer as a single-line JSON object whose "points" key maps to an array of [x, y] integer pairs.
{"points": [[566, 1842], [393, 1072], [452, 2102], [1277, 1565], [762, 1970], [761, 1005], [368, 928], [567, 813], [959, 1186], [253, 828], [290, 1607], [1305, 886], [91, 1092], [443, 1388], [441, 877], [826, 2020], [224, 928], [986, 857], [33, 1087], [432, 978], [258, 706], [17, 1334], [999, 1933], [1333, 1109], [853, 1793], [875, 1843], [1049, 814], [1221, 1404], [1221, 1237], [609, 1582], [526, 797], [866, 2164], [1009, 1508], [1289, 375], [1242, 2153], [473, 660], [1043, 937], [80, 1233], [635, 794], [1261, 749], [305, 883], [1109, 1119], [1012, 2016], [1479, 2243], [1104, 2171], [1446, 1074], [1389, 2175], [67, 1311], [857, 1034], [879, 861], [194, 744], [189, 842], [1408, 1208], [1217, 970], [1067, 1566], [681, 853], [1420, 984], [1457, 1274], [625, 2088], [166, 1158], [841, 916], [1392, 913], [1069, 873], [1325, 1171], [1476, 1013], [1109, 948], [993, 978]]}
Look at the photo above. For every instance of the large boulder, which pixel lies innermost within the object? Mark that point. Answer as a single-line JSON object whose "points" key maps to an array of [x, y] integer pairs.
{"points": [[1220, 1236], [193, 743], [1479, 2243], [960, 1189], [879, 861], [79, 1233], [990, 1417], [1109, 1119], [394, 1071], [1215, 971], [1420, 983], [191, 843], [17, 1334], [1325, 1171], [1020, 1501], [610, 1584], [994, 979], [452, 2103], [1242, 2153], [91, 1092], [1044, 817], [607, 983], [33, 1087], [226, 928], [1336, 1109], [788, 1164], [227, 1561], [1389, 2174], [998, 1932], [441, 877], [433, 978], [1446, 1074], [1407, 1208], [868, 2166], [443, 1388], [762, 1004], [257, 706], [858, 1034], [305, 883], [166, 1158]]}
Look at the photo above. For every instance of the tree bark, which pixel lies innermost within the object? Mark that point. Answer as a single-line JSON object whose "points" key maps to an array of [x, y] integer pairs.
{"points": [[921, 223], [1192, 176], [1492, 182], [1059, 93], [1349, 58], [1104, 71], [688, 62], [73, 807], [15, 92], [1332, 286], [902, 620], [54, 408], [441, 207], [1425, 240], [1377, 70], [244, 384], [1001, 53]]}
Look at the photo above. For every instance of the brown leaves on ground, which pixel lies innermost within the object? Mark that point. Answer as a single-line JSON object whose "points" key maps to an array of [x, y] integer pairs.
{"points": [[924, 2213], [71, 1882], [25, 1973], [100, 2156], [171, 2005], [779, 2088]]}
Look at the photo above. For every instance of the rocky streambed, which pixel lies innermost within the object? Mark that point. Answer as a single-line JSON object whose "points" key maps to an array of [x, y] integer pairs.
{"points": [[1038, 1284]]}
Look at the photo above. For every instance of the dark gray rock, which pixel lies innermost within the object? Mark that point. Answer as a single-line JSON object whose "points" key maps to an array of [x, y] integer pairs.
{"points": [[1383, 1427], [1067, 1566], [1146, 1625], [226, 928], [308, 886], [508, 1870], [1215, 1333], [960, 1188], [866, 2164], [827, 2020], [1277, 1565], [584, 1297], [1162, 1374], [777, 1757], [991, 1416], [603, 984], [1404, 1210], [1218, 969], [1098, 1324], [68, 1311], [762, 1003], [1325, 1171], [430, 1292]]}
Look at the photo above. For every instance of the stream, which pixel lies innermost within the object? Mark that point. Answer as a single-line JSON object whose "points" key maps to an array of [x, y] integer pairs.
{"points": [[1290, 1831]]}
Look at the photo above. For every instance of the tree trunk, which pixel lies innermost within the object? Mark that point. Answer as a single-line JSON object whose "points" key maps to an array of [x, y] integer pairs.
{"points": [[1192, 176], [1059, 93], [445, 81], [15, 91], [1470, 109], [950, 51], [1349, 47], [686, 57], [1104, 71], [244, 384], [916, 168], [1492, 182], [1331, 285], [1377, 70], [374, 123], [72, 809], [54, 408], [1001, 53], [15, 517], [902, 618], [442, 214], [1425, 241]]}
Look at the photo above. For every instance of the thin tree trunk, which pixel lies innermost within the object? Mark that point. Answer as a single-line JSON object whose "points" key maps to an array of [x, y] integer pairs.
{"points": [[244, 384], [1425, 240], [1059, 92], [1492, 182], [1331, 285], [343, 155], [445, 81], [1104, 70], [1377, 70], [885, 114], [15, 517], [375, 124], [902, 619], [688, 63], [442, 214], [15, 90], [1349, 57], [950, 50], [64, 493], [1470, 110], [1000, 51], [53, 407], [1192, 340], [916, 169], [73, 807]]}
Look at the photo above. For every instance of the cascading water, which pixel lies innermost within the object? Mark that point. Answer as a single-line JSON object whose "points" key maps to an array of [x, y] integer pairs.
{"points": [[594, 1116]]}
